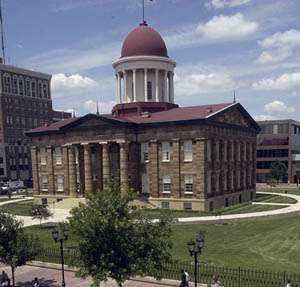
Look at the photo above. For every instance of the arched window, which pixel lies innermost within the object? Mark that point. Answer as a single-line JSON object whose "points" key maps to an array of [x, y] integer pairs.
{"points": [[7, 83], [45, 90], [21, 86], [39, 89], [27, 88], [149, 90], [33, 88], [15, 85]]}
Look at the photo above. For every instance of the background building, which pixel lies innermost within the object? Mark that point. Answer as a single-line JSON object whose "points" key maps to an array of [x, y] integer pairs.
{"points": [[25, 104], [200, 157], [278, 140]]}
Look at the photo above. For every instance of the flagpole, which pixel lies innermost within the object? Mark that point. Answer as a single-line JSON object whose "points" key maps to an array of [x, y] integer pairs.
{"points": [[143, 11]]}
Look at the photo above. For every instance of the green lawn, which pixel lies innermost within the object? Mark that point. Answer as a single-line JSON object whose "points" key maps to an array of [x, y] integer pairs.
{"points": [[19, 208], [267, 243], [274, 198], [288, 190], [239, 208]]}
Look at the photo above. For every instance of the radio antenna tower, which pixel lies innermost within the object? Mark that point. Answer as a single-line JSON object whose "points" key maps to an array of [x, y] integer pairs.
{"points": [[2, 34]]}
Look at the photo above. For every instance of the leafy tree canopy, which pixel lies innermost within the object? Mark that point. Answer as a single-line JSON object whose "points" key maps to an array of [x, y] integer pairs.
{"points": [[16, 247], [116, 239], [278, 170]]}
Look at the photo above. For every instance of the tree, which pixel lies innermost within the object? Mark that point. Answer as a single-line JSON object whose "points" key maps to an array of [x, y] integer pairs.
{"points": [[116, 239], [16, 247], [278, 170], [40, 212]]}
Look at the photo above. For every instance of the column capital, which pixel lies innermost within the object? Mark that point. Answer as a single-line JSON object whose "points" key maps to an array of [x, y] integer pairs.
{"points": [[103, 142]]}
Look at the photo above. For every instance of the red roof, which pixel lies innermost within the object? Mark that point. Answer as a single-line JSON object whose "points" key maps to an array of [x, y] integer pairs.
{"points": [[171, 115], [55, 126], [177, 114], [144, 41]]}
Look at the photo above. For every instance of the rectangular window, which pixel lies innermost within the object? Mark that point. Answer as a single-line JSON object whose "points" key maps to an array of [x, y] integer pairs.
{"points": [[43, 156], [275, 129], [188, 183], [58, 156], [145, 152], [166, 151], [187, 206], [165, 204], [166, 184], [188, 150], [149, 90], [45, 183], [60, 183], [208, 150]]}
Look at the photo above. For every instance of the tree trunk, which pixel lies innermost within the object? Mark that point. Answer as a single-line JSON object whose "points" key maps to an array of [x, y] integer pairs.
{"points": [[13, 276]]}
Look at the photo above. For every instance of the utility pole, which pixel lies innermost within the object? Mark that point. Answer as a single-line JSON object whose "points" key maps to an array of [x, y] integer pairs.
{"points": [[2, 34]]}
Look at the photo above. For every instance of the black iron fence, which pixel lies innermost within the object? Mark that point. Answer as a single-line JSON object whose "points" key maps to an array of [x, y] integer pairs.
{"points": [[229, 277]]}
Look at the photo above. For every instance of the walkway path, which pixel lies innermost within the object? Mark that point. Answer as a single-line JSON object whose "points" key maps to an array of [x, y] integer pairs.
{"points": [[62, 214], [52, 278]]}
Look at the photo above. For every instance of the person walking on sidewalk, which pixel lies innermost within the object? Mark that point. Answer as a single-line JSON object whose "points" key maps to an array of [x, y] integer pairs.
{"points": [[184, 279]]}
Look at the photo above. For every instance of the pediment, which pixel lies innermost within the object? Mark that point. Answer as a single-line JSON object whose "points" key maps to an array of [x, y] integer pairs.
{"points": [[235, 116]]}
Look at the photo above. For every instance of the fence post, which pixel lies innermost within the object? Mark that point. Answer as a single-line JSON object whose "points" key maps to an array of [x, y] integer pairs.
{"points": [[284, 279], [240, 277]]}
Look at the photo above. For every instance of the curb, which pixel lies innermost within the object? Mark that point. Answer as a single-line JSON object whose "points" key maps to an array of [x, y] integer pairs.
{"points": [[148, 279]]}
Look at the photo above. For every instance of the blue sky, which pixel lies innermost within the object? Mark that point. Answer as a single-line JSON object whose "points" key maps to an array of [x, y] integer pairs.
{"points": [[251, 46]]}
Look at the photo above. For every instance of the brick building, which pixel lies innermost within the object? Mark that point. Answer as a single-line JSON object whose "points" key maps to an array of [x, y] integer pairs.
{"points": [[25, 104], [278, 140], [200, 157]]}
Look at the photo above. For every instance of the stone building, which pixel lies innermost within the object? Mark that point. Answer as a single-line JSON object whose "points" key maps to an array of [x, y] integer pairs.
{"points": [[200, 157], [25, 104], [278, 140]]}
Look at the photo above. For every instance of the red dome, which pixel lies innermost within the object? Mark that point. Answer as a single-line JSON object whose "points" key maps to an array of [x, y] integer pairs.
{"points": [[144, 41]]}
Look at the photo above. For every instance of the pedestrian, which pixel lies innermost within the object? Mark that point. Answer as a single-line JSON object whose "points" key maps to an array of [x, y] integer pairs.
{"points": [[36, 282], [4, 279], [184, 279], [289, 284]]}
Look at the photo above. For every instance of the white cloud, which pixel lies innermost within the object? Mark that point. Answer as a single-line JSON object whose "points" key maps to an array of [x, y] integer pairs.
{"points": [[264, 117], [278, 107], [286, 81], [63, 85], [218, 4], [228, 27], [104, 107], [280, 39], [274, 56], [280, 46], [201, 83]]}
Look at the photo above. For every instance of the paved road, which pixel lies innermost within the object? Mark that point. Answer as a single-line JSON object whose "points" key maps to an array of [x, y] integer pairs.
{"points": [[62, 214], [52, 278]]}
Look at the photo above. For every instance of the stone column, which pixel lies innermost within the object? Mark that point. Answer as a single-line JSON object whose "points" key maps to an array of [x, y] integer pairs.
{"points": [[134, 84], [154, 186], [124, 149], [200, 159], [72, 172], [50, 170], [171, 87], [88, 178], [119, 88], [145, 84], [105, 164], [156, 86], [166, 87], [35, 170], [125, 86], [65, 161], [176, 162], [225, 150]]}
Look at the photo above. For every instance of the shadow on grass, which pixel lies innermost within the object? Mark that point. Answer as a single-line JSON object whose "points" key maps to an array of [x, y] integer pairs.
{"points": [[43, 283]]}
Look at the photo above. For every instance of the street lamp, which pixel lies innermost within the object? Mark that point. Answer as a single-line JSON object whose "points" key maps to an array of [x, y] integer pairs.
{"points": [[60, 236], [195, 248]]}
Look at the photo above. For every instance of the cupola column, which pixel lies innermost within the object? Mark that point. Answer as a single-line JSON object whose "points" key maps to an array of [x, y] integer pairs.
{"points": [[119, 87], [166, 96], [125, 86], [145, 84], [134, 84], [171, 85], [156, 86]]}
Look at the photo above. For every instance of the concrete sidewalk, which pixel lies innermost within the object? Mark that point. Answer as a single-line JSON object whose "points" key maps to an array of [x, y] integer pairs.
{"points": [[49, 277]]}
